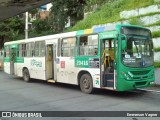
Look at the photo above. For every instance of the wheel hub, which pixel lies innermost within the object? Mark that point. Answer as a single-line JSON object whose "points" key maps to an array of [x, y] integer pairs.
{"points": [[86, 84]]}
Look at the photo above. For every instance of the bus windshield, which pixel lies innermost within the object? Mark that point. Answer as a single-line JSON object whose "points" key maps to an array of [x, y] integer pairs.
{"points": [[139, 50]]}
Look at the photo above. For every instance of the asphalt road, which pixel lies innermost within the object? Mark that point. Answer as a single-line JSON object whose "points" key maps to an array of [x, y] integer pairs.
{"points": [[16, 95]]}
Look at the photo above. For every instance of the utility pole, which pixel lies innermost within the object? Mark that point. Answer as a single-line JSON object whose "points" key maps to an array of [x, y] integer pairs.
{"points": [[26, 26]]}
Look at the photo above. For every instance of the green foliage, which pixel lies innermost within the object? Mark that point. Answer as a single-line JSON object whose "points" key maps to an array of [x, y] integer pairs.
{"points": [[10, 29], [157, 49], [62, 10], [34, 11], [14, 24], [136, 21], [132, 4], [92, 4], [157, 64], [110, 12], [156, 34], [154, 24], [41, 27]]}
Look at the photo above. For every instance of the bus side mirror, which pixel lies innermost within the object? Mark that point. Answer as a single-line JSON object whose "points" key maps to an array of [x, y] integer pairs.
{"points": [[124, 44], [123, 39]]}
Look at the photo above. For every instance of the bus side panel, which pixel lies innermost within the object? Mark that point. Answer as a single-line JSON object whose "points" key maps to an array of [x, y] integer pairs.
{"points": [[95, 74], [36, 67], [66, 72], [1, 59], [7, 65], [19, 69], [19, 66]]}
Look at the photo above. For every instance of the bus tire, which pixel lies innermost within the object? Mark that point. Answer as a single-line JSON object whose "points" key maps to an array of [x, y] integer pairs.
{"points": [[86, 84], [26, 75]]}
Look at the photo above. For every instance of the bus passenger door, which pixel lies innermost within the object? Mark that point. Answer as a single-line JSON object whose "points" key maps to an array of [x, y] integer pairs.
{"points": [[107, 63], [49, 62], [12, 60]]}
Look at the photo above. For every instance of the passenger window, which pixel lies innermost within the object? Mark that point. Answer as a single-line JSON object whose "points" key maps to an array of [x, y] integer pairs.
{"points": [[88, 45], [21, 50], [39, 49], [30, 49], [6, 51], [68, 47]]}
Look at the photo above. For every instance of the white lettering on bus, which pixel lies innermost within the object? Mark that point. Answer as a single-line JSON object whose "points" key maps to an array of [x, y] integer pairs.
{"points": [[81, 62]]}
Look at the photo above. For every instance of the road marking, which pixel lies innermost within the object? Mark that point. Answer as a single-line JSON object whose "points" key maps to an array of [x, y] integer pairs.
{"points": [[150, 90]]}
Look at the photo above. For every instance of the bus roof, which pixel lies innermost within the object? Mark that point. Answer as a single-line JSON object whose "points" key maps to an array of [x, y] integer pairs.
{"points": [[103, 28], [75, 33], [48, 37]]}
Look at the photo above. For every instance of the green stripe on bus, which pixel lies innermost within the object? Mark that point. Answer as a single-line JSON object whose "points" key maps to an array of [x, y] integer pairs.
{"points": [[110, 34], [80, 32], [17, 60], [6, 59], [82, 62], [14, 46]]}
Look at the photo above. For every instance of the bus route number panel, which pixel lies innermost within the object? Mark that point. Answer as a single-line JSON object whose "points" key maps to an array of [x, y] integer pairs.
{"points": [[87, 62], [94, 62]]}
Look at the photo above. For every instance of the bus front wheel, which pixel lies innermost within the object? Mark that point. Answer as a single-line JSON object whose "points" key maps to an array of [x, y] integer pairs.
{"points": [[86, 84], [26, 76]]}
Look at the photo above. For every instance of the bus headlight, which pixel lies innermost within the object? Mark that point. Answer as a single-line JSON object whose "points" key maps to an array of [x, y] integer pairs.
{"points": [[128, 77], [152, 83]]}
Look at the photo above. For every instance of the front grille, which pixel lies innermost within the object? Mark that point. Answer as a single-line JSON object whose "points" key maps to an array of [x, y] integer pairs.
{"points": [[140, 72], [140, 83]]}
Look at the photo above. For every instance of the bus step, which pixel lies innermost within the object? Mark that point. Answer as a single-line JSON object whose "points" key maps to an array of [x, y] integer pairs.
{"points": [[51, 81], [108, 76], [108, 73], [108, 88], [110, 83], [110, 80]]}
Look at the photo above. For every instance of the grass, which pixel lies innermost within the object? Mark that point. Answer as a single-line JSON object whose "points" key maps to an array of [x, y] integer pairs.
{"points": [[157, 49], [136, 21], [111, 13], [157, 64], [156, 34], [154, 24]]}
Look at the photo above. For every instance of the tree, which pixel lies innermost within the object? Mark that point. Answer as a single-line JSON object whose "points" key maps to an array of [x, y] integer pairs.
{"points": [[10, 29], [40, 28], [62, 11], [92, 4], [75, 10]]}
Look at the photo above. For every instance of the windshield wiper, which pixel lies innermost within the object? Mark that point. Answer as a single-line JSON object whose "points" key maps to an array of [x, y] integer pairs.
{"points": [[138, 52]]}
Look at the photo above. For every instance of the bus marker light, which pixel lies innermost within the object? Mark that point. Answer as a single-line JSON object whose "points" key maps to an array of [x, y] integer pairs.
{"points": [[51, 81], [123, 73], [152, 83]]}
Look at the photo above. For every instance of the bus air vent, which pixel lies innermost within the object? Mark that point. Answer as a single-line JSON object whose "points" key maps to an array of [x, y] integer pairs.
{"points": [[140, 83], [140, 72]]}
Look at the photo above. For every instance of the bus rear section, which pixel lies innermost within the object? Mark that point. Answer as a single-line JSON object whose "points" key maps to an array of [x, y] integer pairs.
{"points": [[1, 59]]}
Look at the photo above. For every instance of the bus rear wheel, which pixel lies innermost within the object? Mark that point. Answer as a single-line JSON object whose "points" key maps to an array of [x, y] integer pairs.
{"points": [[86, 84], [26, 75]]}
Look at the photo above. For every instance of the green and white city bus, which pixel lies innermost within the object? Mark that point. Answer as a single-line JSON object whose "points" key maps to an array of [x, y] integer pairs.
{"points": [[117, 58]]}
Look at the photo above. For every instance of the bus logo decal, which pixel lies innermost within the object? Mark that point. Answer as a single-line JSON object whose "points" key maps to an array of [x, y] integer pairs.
{"points": [[36, 63]]}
